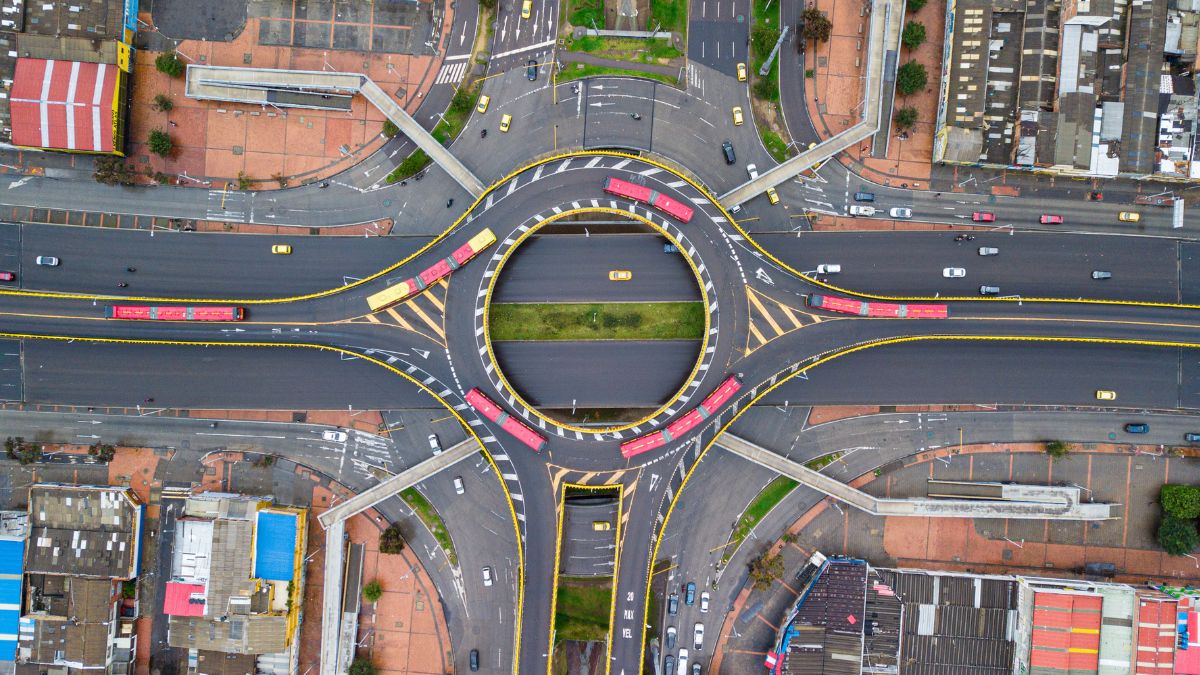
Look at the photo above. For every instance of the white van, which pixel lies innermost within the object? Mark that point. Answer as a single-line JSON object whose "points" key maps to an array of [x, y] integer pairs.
{"points": [[856, 210]]}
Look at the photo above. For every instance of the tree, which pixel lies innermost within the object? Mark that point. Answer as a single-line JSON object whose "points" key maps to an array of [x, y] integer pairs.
{"points": [[363, 666], [815, 25], [1177, 536], [914, 35], [911, 78], [765, 569], [487, 4], [169, 63], [113, 171], [1057, 449], [905, 118], [161, 143], [244, 181], [391, 541], [763, 40], [162, 103], [1181, 501], [390, 129], [25, 453], [463, 101], [372, 592], [104, 452], [914, 5]]}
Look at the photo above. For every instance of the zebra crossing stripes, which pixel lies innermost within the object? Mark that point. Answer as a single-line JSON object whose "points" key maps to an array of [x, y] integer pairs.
{"points": [[451, 73]]}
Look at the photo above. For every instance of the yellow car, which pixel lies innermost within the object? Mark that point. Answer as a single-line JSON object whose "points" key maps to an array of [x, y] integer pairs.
{"points": [[601, 525], [772, 196], [1105, 395], [741, 72], [281, 249], [484, 100], [620, 275], [526, 9], [1129, 217], [737, 116], [505, 120]]}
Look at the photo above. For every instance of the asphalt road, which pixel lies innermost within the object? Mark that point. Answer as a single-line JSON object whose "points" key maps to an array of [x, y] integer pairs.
{"points": [[574, 268], [1030, 264], [718, 32]]}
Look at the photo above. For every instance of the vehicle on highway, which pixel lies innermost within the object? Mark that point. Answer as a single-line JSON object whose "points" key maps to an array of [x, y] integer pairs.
{"points": [[488, 408], [484, 100], [671, 637], [741, 72], [151, 313], [1192, 438], [474, 660], [334, 436], [829, 268], [670, 248], [675, 430], [683, 657], [1105, 395], [698, 637], [689, 593], [46, 261], [7, 276], [989, 290], [880, 309], [696, 668], [988, 250], [505, 122], [487, 576], [441, 269], [281, 249], [434, 444], [954, 272], [772, 196], [601, 526], [673, 604], [526, 9], [459, 487], [727, 149], [1048, 219], [1129, 216], [864, 196], [752, 169], [856, 210], [983, 217], [669, 664], [1137, 428], [531, 68], [737, 116], [900, 212], [704, 602], [645, 195], [620, 275], [1101, 274]]}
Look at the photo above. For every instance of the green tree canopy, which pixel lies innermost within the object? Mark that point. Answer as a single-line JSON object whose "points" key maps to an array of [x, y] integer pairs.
{"points": [[363, 666], [391, 541], [1177, 536], [1181, 501], [815, 25], [765, 569], [914, 35], [914, 5], [160, 143], [906, 117], [169, 63], [373, 591], [911, 78]]}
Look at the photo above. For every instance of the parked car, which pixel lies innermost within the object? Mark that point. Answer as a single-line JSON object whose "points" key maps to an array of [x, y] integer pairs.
{"points": [[988, 250], [829, 268], [954, 272], [900, 212], [1137, 428], [487, 576], [698, 637], [531, 68], [1101, 274], [334, 436], [989, 290], [459, 488], [671, 637], [1048, 219], [673, 604], [983, 217], [689, 593], [741, 72], [434, 445], [46, 261], [704, 601]]}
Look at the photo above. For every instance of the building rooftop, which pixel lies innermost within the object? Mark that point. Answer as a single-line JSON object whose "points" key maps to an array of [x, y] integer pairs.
{"points": [[827, 628], [68, 620], [97, 19], [85, 531], [1155, 635], [12, 556], [219, 663], [1066, 632]]}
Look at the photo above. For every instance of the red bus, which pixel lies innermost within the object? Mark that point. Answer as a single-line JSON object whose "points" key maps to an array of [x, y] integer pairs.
{"points": [[643, 194], [671, 207], [877, 309], [488, 408], [198, 313], [677, 429]]}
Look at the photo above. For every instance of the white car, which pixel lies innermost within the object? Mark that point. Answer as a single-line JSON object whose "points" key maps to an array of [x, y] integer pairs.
{"points": [[988, 250], [459, 488], [698, 637], [671, 637], [487, 576], [434, 445], [828, 268], [334, 436], [900, 212], [954, 272], [752, 169], [47, 261], [704, 601], [683, 657], [856, 210]]}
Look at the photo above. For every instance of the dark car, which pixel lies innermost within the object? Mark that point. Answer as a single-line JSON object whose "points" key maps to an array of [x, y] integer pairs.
{"points": [[474, 660], [727, 148], [669, 664], [673, 604], [696, 668], [531, 68], [864, 196], [1137, 428], [689, 593], [1192, 438], [670, 248]]}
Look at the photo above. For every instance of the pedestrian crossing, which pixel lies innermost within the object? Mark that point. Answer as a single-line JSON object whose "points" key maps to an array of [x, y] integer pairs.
{"points": [[452, 73], [770, 319], [423, 314]]}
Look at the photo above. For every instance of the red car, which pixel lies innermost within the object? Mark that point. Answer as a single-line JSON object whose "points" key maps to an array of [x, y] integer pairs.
{"points": [[7, 276], [983, 217], [1052, 220]]}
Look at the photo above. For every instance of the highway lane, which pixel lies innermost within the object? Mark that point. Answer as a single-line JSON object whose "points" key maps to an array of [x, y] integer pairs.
{"points": [[718, 34], [1030, 264], [574, 268]]}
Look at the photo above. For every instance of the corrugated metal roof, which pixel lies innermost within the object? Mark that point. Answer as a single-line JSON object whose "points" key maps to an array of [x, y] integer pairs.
{"points": [[64, 105], [12, 555]]}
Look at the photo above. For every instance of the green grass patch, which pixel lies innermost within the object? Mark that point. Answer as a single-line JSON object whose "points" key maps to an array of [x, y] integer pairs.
{"points": [[409, 167], [578, 71], [432, 520], [772, 494], [774, 144], [597, 321], [582, 608], [668, 15], [626, 49], [586, 13], [823, 461]]}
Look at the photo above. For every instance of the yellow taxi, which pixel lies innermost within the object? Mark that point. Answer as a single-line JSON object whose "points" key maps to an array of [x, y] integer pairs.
{"points": [[505, 121], [1129, 217], [484, 100], [281, 249], [772, 196], [1105, 395], [620, 275], [526, 9], [737, 116], [741, 70], [601, 525]]}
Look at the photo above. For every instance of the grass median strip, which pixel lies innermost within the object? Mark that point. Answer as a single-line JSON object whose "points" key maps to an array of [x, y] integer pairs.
{"points": [[432, 520], [771, 494], [582, 608], [599, 321]]}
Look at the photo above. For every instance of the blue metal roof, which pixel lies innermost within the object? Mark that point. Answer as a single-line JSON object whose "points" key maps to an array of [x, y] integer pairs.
{"points": [[12, 564], [275, 546]]}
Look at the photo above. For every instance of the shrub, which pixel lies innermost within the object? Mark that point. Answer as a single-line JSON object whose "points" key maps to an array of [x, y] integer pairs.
{"points": [[905, 117], [1181, 501], [169, 63], [1057, 449], [764, 570], [390, 129], [463, 101], [102, 451], [161, 143], [914, 5], [163, 103], [244, 181], [914, 35], [372, 592], [815, 25], [113, 171], [911, 78], [363, 666], [1177, 536], [810, 73], [763, 40], [391, 541]]}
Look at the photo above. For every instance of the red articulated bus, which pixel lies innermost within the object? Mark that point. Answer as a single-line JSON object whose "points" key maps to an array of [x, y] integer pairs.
{"points": [[488, 408], [150, 313], [677, 429], [877, 309], [643, 194]]}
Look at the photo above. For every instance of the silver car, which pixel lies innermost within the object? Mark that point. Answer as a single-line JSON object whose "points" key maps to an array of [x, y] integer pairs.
{"points": [[47, 261], [954, 272], [988, 250], [901, 212]]}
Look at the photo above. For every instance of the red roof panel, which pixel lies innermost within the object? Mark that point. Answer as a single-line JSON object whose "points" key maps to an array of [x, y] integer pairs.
{"points": [[178, 600], [64, 105]]}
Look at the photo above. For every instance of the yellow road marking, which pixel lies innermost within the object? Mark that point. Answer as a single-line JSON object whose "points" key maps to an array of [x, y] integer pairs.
{"points": [[787, 311], [428, 321], [432, 298], [391, 311], [767, 315], [372, 318], [759, 336]]}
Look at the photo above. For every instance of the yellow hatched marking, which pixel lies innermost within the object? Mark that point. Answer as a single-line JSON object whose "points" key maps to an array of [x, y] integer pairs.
{"points": [[428, 321], [399, 319], [787, 311], [372, 318], [586, 478], [766, 315], [436, 302], [757, 335]]}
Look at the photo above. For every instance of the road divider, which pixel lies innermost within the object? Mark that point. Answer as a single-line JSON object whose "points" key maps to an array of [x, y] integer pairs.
{"points": [[599, 321]]}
